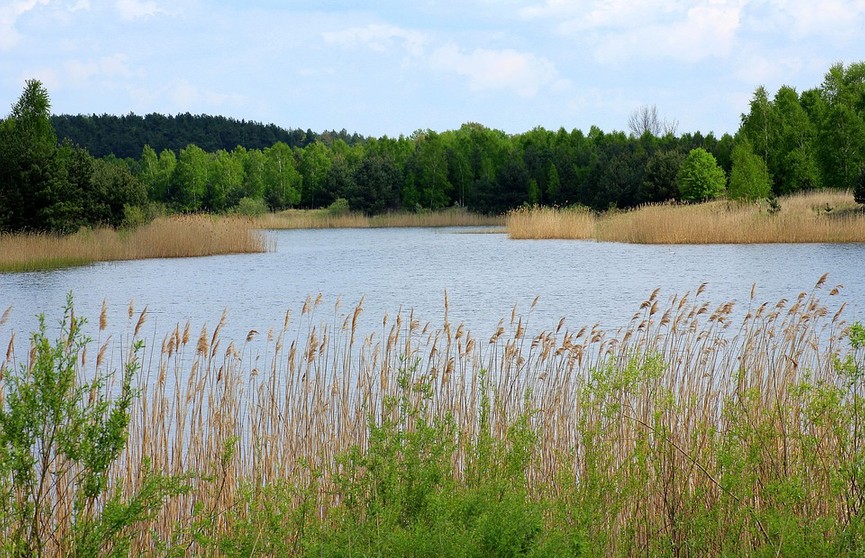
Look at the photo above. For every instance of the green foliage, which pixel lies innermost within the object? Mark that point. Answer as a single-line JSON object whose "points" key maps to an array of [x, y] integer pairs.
{"points": [[48, 187], [271, 520], [375, 186], [338, 207], [59, 435], [659, 180], [30, 173], [127, 135], [156, 171], [314, 164], [282, 181], [189, 179], [113, 190], [250, 207], [700, 178], [859, 190], [810, 140], [402, 496], [554, 184], [225, 181], [749, 179], [429, 168], [135, 216]]}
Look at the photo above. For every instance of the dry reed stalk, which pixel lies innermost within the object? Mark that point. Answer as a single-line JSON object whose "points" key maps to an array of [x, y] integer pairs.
{"points": [[546, 222], [323, 219], [644, 409], [727, 223], [165, 237], [826, 216]]}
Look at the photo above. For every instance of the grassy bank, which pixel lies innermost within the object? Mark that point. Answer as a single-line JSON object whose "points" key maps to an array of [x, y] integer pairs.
{"points": [[813, 217], [687, 432], [329, 219], [165, 237]]}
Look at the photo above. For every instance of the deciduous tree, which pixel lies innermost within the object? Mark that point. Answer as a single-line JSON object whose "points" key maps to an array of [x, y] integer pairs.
{"points": [[282, 181], [700, 178], [749, 179], [189, 180]]}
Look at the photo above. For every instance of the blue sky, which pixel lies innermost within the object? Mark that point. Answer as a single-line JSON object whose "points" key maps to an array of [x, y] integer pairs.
{"points": [[392, 67]]}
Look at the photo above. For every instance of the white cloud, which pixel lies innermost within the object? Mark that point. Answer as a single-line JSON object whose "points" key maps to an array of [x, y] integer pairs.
{"points": [[487, 69], [574, 17], [9, 14], [758, 69], [183, 96], [81, 72], [825, 18], [618, 30], [48, 77], [707, 30], [135, 9], [79, 5], [379, 38]]}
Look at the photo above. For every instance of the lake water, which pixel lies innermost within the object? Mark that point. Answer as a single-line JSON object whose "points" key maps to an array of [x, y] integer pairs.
{"points": [[484, 274]]}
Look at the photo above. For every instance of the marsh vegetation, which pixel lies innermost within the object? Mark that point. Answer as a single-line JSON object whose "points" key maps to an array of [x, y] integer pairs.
{"points": [[823, 217], [687, 432], [166, 237]]}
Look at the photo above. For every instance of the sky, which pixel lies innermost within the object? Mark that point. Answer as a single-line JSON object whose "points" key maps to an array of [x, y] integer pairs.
{"points": [[395, 66]]}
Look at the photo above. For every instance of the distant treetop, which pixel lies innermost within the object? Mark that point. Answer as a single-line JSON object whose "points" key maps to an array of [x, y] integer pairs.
{"points": [[125, 136]]}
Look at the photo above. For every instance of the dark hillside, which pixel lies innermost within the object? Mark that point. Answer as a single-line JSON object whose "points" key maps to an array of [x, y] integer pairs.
{"points": [[126, 136]]}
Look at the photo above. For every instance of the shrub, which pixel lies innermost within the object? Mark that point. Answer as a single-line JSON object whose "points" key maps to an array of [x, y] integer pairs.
{"points": [[338, 207], [402, 496], [859, 189], [250, 207], [58, 438]]}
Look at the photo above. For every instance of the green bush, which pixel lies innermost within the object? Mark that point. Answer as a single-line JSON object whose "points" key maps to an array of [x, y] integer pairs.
{"points": [[402, 496], [59, 435], [250, 207], [859, 189], [338, 207]]}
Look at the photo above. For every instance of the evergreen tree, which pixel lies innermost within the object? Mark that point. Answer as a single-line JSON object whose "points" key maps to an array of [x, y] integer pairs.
{"points": [[29, 171]]}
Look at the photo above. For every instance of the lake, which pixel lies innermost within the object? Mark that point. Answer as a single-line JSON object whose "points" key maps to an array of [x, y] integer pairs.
{"points": [[484, 274]]}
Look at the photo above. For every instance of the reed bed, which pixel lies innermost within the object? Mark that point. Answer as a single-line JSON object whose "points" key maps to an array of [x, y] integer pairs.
{"points": [[324, 219], [811, 217], [165, 237], [697, 429], [547, 222]]}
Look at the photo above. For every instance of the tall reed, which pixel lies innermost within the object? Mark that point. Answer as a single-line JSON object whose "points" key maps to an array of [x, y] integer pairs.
{"points": [[325, 219], [547, 222], [826, 216], [165, 237], [695, 429]]}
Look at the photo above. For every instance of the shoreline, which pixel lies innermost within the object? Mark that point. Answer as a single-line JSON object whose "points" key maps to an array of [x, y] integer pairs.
{"points": [[829, 217]]}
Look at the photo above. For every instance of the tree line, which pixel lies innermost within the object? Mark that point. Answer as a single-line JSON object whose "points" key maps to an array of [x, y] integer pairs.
{"points": [[481, 169], [785, 144], [125, 136]]}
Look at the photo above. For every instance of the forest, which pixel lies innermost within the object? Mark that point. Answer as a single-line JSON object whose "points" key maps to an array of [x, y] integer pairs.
{"points": [[58, 173]]}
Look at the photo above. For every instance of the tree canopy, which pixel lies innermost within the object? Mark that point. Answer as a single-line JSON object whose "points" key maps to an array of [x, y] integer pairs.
{"points": [[700, 178]]}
